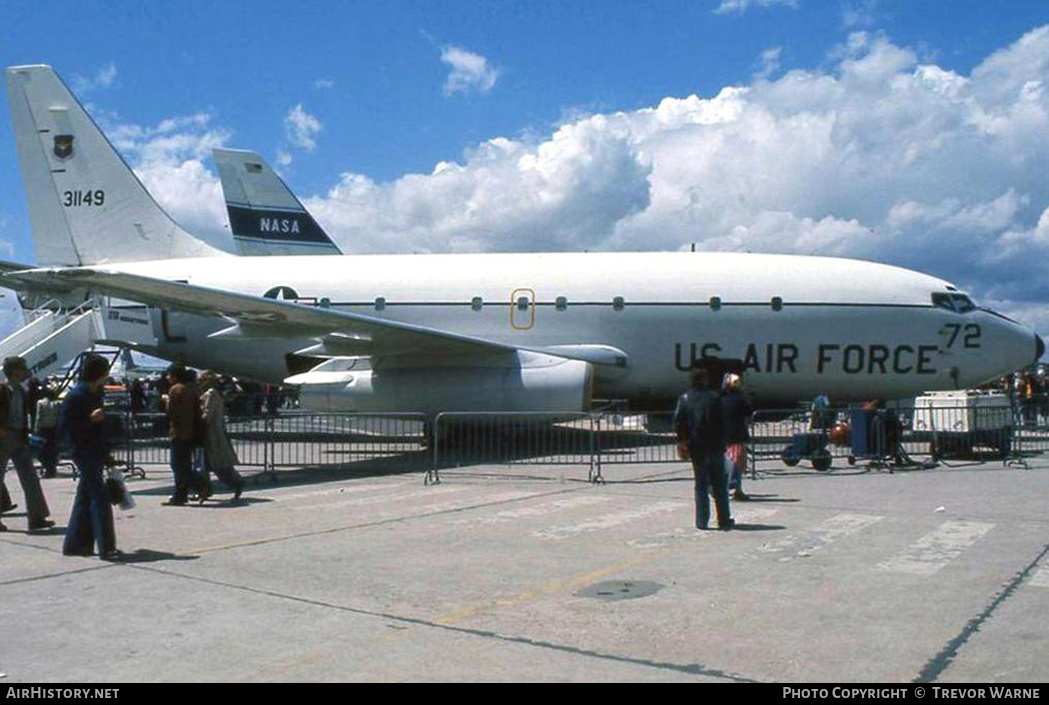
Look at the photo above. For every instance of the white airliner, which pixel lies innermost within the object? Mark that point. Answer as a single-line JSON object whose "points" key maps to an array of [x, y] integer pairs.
{"points": [[509, 332]]}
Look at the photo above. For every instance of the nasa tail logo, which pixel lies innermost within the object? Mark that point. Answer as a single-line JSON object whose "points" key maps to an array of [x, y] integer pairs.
{"points": [[63, 146]]}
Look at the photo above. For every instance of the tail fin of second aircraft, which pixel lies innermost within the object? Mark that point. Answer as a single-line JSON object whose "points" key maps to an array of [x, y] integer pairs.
{"points": [[265, 216], [86, 206]]}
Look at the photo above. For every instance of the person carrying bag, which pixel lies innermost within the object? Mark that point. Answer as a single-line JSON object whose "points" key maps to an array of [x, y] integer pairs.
{"points": [[83, 419]]}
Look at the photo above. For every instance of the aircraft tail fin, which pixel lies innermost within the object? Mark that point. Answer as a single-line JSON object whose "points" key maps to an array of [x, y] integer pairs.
{"points": [[86, 206], [264, 215]]}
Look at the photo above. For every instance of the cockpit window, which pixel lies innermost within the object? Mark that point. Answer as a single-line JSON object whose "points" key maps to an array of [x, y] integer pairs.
{"points": [[959, 303], [942, 301], [962, 303]]}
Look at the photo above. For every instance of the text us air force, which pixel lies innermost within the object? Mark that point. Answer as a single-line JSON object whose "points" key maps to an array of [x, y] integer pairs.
{"points": [[788, 358]]}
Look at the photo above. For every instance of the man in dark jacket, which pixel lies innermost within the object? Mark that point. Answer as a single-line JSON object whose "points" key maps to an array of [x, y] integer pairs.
{"points": [[14, 432], [699, 421], [183, 414], [83, 418]]}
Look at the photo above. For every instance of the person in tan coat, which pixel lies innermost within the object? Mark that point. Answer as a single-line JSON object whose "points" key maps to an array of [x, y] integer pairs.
{"points": [[219, 456]]}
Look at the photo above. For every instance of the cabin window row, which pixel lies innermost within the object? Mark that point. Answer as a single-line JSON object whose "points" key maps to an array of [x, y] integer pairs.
{"points": [[561, 303]]}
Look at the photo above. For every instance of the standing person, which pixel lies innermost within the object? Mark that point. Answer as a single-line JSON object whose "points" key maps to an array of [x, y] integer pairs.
{"points": [[183, 412], [83, 418], [272, 399], [137, 395], [699, 421], [219, 456], [33, 394], [48, 410], [14, 432], [737, 413]]}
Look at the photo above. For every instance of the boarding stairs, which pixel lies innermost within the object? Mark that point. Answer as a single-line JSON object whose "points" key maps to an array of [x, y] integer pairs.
{"points": [[52, 338]]}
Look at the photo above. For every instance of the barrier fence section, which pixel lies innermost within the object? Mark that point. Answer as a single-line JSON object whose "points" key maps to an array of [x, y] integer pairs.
{"points": [[946, 431], [1032, 426], [293, 440], [513, 438], [893, 436]]}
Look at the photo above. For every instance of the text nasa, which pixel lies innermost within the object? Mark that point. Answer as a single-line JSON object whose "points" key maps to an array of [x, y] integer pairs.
{"points": [[784, 358], [278, 225]]}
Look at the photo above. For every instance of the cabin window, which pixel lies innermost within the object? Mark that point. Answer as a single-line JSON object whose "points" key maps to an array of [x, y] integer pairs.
{"points": [[523, 303], [324, 303], [561, 303], [380, 304], [715, 303], [777, 303], [477, 303], [618, 303]]}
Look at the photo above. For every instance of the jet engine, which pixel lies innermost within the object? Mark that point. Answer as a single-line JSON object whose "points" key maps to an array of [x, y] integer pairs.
{"points": [[518, 382]]}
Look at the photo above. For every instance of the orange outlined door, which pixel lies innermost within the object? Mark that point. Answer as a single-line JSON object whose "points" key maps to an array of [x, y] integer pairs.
{"points": [[522, 309]]}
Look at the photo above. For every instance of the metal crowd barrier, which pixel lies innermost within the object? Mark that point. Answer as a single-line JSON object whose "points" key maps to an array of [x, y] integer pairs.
{"points": [[944, 433], [895, 436], [539, 438], [592, 439], [294, 440]]}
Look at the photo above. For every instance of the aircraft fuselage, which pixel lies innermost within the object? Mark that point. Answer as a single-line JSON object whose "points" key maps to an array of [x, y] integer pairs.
{"points": [[800, 326]]}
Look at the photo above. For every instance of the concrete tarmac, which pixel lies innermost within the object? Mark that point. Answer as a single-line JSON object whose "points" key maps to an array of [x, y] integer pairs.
{"points": [[533, 574]]}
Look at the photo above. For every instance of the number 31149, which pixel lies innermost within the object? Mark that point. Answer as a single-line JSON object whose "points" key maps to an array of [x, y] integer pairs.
{"points": [[84, 198]]}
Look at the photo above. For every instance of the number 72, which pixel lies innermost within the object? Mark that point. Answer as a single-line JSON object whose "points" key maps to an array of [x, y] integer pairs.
{"points": [[971, 338]]}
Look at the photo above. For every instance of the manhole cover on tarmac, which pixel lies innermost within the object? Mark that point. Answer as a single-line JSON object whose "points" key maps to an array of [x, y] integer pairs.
{"points": [[613, 590]]}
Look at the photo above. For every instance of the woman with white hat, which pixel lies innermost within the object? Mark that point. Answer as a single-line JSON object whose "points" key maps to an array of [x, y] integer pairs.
{"points": [[736, 414]]}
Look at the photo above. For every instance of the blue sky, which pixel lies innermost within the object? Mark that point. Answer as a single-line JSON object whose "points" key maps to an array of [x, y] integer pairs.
{"points": [[386, 114], [455, 126]]}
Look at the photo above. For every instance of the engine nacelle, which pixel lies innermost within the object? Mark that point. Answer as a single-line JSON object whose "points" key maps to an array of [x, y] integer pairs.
{"points": [[520, 382]]}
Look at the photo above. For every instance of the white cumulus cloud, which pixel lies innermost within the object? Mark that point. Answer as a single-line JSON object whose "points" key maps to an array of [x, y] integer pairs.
{"points": [[301, 128], [169, 158], [769, 63], [471, 73], [741, 6], [103, 78]]}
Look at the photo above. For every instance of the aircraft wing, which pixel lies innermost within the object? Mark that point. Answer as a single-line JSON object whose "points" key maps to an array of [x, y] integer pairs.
{"points": [[257, 316], [11, 267], [6, 266]]}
